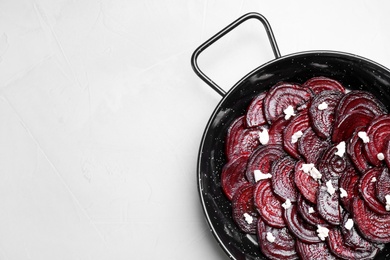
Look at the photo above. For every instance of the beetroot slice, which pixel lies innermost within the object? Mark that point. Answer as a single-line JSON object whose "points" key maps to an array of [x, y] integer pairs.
{"points": [[255, 112], [268, 206], [368, 190], [297, 226], [299, 123], [383, 185], [352, 238], [283, 179], [311, 147], [313, 218], [242, 204], [320, 84], [328, 205], [233, 176], [323, 120], [275, 131], [337, 247], [262, 159], [387, 153], [317, 251], [306, 185], [331, 165], [378, 131], [282, 95], [356, 152], [282, 248], [372, 226], [349, 181]]}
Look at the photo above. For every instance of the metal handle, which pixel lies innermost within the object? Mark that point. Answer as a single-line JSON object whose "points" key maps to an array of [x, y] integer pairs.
{"points": [[194, 58]]}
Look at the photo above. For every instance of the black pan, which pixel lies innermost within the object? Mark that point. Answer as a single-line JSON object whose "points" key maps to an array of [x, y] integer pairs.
{"points": [[353, 71]]}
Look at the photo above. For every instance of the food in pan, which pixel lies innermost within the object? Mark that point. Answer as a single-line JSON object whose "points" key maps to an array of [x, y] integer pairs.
{"points": [[307, 171]]}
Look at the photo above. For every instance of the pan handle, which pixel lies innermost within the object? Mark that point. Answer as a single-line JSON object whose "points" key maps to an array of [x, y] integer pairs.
{"points": [[205, 45]]}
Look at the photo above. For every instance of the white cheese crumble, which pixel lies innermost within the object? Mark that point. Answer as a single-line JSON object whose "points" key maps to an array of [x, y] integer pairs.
{"points": [[315, 174], [289, 111], [287, 204], [380, 156], [270, 237], [248, 218], [263, 136], [373, 179], [311, 210], [261, 176], [306, 167], [340, 149], [364, 137], [323, 106], [296, 136], [331, 189], [322, 232], [349, 224], [343, 193], [387, 197]]}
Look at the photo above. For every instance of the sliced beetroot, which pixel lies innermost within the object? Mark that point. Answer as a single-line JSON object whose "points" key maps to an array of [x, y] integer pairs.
{"points": [[387, 153], [281, 96], [283, 179], [298, 227], [372, 226], [339, 249], [282, 248], [332, 165], [268, 206], [306, 184], [311, 147], [378, 131], [356, 152], [349, 181], [320, 84], [308, 212], [299, 123], [328, 205], [383, 185], [243, 204], [323, 118], [317, 251], [233, 176], [275, 131], [345, 126], [241, 140], [367, 186], [255, 112], [262, 159]]}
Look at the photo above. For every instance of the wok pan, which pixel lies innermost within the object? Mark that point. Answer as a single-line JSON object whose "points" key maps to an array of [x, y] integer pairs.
{"points": [[353, 71]]}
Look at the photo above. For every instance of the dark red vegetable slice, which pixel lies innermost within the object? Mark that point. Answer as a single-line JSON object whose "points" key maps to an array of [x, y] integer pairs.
{"points": [[282, 95], [262, 159], [331, 165], [312, 218], [372, 226], [387, 153], [300, 123], [282, 248], [320, 84], [275, 131], [351, 237], [255, 112], [349, 181], [283, 179], [338, 247], [378, 131], [268, 206], [298, 227], [317, 251], [306, 185], [328, 205], [356, 152], [323, 119], [242, 204], [383, 185], [233, 176], [311, 147]]}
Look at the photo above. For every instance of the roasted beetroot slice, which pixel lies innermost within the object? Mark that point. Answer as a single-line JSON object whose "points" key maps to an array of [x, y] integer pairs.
{"points": [[345, 126], [317, 251], [297, 226], [241, 140], [328, 205], [323, 119], [242, 204], [306, 185], [356, 152], [387, 153], [383, 185], [283, 179], [349, 181], [268, 206], [331, 165], [282, 95], [372, 226], [255, 112], [262, 159], [338, 248], [378, 131], [282, 248], [300, 122], [312, 218], [352, 238], [275, 131], [368, 190], [321, 84], [233, 176], [311, 147]]}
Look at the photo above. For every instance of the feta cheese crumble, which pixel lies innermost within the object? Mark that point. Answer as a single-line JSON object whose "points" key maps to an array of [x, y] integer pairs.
{"points": [[263, 136], [248, 218], [340, 149], [343, 193], [261, 176], [373, 179], [331, 189], [296, 136], [349, 224], [310, 169], [289, 111], [311, 210], [322, 106], [387, 197], [287, 204], [306, 167], [380, 156], [364, 137], [322, 232], [270, 237]]}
